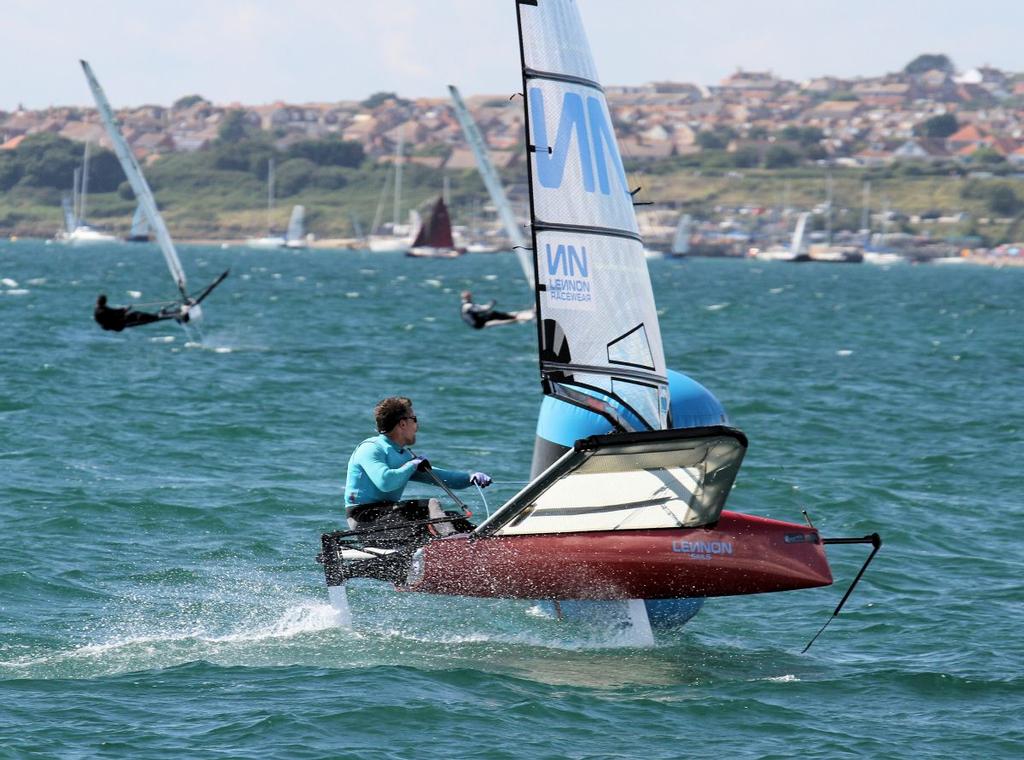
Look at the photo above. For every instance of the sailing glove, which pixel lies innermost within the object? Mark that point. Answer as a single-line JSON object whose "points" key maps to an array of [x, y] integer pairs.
{"points": [[422, 465], [481, 479]]}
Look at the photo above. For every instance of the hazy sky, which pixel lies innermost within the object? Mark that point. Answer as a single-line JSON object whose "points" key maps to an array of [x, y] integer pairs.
{"points": [[258, 51]]}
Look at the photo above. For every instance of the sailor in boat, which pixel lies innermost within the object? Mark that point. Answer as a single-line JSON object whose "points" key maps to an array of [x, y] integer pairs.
{"points": [[478, 315], [117, 318], [381, 467]]}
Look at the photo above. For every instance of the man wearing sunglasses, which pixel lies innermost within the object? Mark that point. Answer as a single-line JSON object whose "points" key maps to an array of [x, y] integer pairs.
{"points": [[381, 467]]}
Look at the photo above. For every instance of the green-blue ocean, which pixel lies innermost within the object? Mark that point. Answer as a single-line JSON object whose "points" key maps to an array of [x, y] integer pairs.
{"points": [[162, 495]]}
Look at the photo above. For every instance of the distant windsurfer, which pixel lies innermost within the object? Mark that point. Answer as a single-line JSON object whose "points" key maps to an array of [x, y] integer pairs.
{"points": [[478, 315], [118, 318], [381, 467]]}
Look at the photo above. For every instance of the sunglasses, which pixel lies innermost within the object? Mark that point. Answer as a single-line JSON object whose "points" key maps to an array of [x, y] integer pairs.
{"points": [[413, 418]]}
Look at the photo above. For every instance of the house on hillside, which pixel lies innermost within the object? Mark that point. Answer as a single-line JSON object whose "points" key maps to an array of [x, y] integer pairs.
{"points": [[82, 131], [968, 139], [921, 149], [882, 93], [751, 86], [152, 143]]}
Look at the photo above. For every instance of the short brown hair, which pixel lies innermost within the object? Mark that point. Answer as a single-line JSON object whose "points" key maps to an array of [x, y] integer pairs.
{"points": [[390, 411]]}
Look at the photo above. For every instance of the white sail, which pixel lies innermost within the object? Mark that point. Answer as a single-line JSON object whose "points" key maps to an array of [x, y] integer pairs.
{"points": [[70, 221], [296, 226], [493, 184], [681, 241], [138, 183], [798, 234], [599, 333], [140, 227]]}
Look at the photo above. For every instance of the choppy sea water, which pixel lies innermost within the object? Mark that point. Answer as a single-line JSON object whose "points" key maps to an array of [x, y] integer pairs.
{"points": [[161, 502]]}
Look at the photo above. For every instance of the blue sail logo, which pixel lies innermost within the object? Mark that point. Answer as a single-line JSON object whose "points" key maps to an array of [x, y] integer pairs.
{"points": [[568, 279], [584, 125]]}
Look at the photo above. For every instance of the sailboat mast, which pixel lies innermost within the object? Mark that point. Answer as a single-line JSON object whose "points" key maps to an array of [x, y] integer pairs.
{"points": [[398, 179], [76, 197], [530, 148], [85, 185], [828, 190], [270, 195], [865, 213]]}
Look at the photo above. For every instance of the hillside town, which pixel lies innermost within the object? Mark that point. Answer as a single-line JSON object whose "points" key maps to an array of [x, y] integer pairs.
{"points": [[867, 121]]}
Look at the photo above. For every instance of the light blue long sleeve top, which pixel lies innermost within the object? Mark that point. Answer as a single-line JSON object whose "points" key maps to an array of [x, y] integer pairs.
{"points": [[379, 470]]}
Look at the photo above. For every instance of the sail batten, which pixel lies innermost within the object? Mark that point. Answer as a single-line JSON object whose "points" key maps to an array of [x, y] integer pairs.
{"points": [[598, 333], [542, 226], [554, 76]]}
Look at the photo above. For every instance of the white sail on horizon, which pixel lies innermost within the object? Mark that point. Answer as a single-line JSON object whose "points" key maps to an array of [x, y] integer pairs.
{"points": [[599, 332]]}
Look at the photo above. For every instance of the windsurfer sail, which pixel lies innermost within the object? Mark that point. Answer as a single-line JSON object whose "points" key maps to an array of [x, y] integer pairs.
{"points": [[188, 306]]}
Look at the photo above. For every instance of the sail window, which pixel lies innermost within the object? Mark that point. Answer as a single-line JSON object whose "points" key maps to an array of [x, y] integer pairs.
{"points": [[632, 481], [632, 349]]}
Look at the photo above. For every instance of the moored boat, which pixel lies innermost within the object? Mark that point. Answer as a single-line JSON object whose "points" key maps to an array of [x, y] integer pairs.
{"points": [[434, 239]]}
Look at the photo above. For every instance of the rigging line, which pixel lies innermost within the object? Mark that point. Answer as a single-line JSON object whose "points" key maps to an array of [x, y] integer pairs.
{"points": [[483, 498], [155, 303]]}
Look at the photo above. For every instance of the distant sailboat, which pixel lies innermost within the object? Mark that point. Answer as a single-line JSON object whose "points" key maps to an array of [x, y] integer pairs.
{"points": [[792, 253], [681, 241], [434, 239], [187, 307], [76, 230], [270, 240], [296, 235], [399, 237], [140, 227]]}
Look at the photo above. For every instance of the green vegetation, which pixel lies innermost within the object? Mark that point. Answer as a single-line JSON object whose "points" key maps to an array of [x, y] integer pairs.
{"points": [[1000, 198], [188, 101], [929, 61], [938, 126], [220, 192], [234, 128], [48, 161], [381, 97]]}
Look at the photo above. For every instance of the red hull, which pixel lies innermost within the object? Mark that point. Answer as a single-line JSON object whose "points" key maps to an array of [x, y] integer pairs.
{"points": [[742, 554]]}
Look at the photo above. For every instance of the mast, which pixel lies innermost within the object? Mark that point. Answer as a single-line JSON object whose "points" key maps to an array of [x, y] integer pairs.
{"points": [[865, 213], [76, 199], [828, 203], [85, 184], [270, 195], [493, 184], [529, 184], [138, 182], [398, 180]]}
